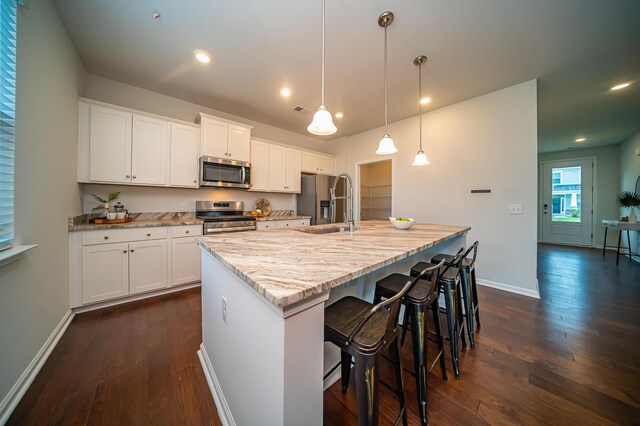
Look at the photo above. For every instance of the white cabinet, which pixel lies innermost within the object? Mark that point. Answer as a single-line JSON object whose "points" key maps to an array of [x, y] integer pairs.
{"points": [[110, 145], [265, 225], [224, 139], [185, 261], [148, 266], [184, 165], [285, 166], [293, 223], [259, 165], [294, 170], [105, 272], [149, 151], [318, 163]]}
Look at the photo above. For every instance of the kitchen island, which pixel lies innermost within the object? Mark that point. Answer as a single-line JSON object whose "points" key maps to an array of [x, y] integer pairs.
{"points": [[263, 299]]}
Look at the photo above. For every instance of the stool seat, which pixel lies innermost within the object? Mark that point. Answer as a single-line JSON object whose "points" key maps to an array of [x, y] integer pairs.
{"points": [[393, 283], [450, 274], [466, 262], [343, 316]]}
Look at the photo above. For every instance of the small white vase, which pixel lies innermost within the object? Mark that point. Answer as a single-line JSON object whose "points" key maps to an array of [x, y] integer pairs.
{"points": [[633, 218]]}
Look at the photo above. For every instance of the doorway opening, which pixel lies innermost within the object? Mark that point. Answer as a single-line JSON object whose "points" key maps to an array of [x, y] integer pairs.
{"points": [[375, 190]]}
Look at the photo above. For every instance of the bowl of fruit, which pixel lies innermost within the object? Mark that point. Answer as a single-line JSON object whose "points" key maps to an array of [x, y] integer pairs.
{"points": [[402, 222]]}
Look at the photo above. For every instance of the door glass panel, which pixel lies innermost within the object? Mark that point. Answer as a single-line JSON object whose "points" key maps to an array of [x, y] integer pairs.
{"points": [[566, 194]]}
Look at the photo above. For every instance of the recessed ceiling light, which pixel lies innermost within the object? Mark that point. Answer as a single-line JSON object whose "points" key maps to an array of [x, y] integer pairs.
{"points": [[581, 139], [202, 56], [424, 101], [285, 92], [620, 86], [339, 114]]}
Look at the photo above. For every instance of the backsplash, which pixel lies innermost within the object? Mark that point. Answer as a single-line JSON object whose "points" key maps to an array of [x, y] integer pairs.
{"points": [[141, 199]]}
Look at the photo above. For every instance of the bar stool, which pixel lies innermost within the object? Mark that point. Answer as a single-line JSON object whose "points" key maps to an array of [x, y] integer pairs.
{"points": [[417, 302], [449, 285], [468, 284], [363, 330]]}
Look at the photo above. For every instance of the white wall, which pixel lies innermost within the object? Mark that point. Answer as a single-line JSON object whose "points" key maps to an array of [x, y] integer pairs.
{"points": [[149, 199], [489, 142], [629, 172], [34, 292], [606, 183]]}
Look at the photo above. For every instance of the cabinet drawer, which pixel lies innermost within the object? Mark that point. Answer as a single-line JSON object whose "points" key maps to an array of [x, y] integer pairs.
{"points": [[123, 235], [292, 223], [265, 226], [185, 231]]}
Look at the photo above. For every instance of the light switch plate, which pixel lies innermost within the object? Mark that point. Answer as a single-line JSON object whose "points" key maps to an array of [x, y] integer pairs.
{"points": [[183, 206], [515, 208]]}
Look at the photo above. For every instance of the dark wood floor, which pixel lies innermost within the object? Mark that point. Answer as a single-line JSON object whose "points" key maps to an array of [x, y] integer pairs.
{"points": [[572, 357]]}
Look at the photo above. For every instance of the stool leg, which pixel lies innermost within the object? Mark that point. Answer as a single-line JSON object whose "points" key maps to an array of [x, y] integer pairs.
{"points": [[450, 297], [345, 368], [474, 289], [418, 330], [367, 389], [618, 252], [408, 319], [435, 307], [629, 242], [465, 278], [604, 246], [459, 309], [397, 363]]}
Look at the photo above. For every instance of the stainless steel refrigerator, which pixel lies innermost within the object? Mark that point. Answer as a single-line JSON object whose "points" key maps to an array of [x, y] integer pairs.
{"points": [[314, 199]]}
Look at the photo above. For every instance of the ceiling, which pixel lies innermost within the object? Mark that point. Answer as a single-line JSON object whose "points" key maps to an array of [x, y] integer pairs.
{"points": [[576, 48]]}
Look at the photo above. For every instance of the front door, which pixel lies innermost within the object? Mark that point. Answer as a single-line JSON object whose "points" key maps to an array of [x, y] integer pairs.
{"points": [[567, 196]]}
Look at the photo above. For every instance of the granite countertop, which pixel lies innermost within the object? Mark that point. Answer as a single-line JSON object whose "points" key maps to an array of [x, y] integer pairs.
{"points": [[286, 266], [289, 217], [140, 220]]}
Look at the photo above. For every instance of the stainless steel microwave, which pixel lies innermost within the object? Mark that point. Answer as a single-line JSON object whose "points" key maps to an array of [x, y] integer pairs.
{"points": [[224, 173]]}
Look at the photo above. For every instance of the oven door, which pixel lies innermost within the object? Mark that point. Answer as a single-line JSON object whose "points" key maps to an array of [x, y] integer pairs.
{"points": [[223, 173]]}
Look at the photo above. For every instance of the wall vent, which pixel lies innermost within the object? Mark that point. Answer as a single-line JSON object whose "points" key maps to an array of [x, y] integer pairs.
{"points": [[302, 109]]}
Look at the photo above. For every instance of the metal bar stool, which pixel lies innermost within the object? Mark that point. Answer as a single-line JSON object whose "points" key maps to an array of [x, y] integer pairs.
{"points": [[416, 303], [468, 284], [449, 285], [363, 330]]}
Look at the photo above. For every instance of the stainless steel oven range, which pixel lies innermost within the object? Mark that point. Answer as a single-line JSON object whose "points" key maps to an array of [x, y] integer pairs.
{"points": [[224, 216]]}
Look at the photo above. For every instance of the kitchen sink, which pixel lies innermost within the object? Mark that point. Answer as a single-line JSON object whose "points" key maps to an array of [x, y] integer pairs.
{"points": [[324, 230]]}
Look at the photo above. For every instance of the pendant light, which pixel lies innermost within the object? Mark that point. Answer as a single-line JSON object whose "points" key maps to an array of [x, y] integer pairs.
{"points": [[322, 123], [386, 145], [421, 157]]}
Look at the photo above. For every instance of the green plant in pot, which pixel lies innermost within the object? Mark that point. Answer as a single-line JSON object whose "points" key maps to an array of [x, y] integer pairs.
{"points": [[105, 202], [631, 200]]}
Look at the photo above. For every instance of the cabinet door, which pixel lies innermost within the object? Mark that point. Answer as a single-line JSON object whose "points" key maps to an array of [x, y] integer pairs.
{"points": [[326, 165], [294, 170], [148, 266], [105, 272], [213, 138], [309, 162], [149, 151], [259, 166], [110, 145], [185, 141], [277, 168], [239, 146], [185, 261]]}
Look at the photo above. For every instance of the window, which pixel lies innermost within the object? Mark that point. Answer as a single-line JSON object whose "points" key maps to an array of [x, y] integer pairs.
{"points": [[566, 198], [8, 22]]}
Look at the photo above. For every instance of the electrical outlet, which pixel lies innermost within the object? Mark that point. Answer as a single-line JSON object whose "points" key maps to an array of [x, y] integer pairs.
{"points": [[224, 309], [183, 206], [515, 208]]}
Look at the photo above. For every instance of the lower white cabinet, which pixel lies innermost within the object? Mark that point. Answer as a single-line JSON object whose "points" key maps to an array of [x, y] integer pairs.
{"points": [[148, 266], [105, 272], [281, 224], [185, 261]]}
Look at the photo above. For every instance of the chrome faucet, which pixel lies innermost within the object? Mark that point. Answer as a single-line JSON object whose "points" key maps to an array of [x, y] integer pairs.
{"points": [[332, 191]]}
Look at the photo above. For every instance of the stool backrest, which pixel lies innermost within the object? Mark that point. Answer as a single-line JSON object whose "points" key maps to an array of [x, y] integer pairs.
{"points": [[432, 284], [455, 262], [392, 304], [473, 247]]}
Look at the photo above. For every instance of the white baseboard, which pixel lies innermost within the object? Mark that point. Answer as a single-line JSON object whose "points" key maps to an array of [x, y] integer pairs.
{"points": [[18, 390], [511, 288], [224, 412]]}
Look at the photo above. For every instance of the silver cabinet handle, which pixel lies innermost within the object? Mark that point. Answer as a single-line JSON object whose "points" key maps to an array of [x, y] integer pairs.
{"points": [[128, 176], [106, 237], [124, 251], [148, 234]]}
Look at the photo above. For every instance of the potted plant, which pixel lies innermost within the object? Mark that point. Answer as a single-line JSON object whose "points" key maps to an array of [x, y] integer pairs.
{"points": [[631, 200], [105, 203]]}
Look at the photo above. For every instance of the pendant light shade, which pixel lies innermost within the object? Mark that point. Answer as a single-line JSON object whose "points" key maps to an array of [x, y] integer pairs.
{"points": [[421, 157], [322, 123], [386, 146]]}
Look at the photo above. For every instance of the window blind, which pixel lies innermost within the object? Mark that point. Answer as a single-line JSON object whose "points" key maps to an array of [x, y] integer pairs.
{"points": [[8, 23]]}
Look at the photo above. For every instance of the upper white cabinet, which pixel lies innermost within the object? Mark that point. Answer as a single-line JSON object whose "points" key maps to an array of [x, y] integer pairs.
{"points": [[318, 163], [185, 148], [110, 145], [259, 165], [285, 165], [149, 151], [294, 170], [224, 139]]}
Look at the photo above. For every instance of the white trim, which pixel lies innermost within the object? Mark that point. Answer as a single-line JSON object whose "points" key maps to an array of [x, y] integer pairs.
{"points": [[511, 288], [18, 390], [224, 412], [14, 253], [356, 183], [106, 304]]}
